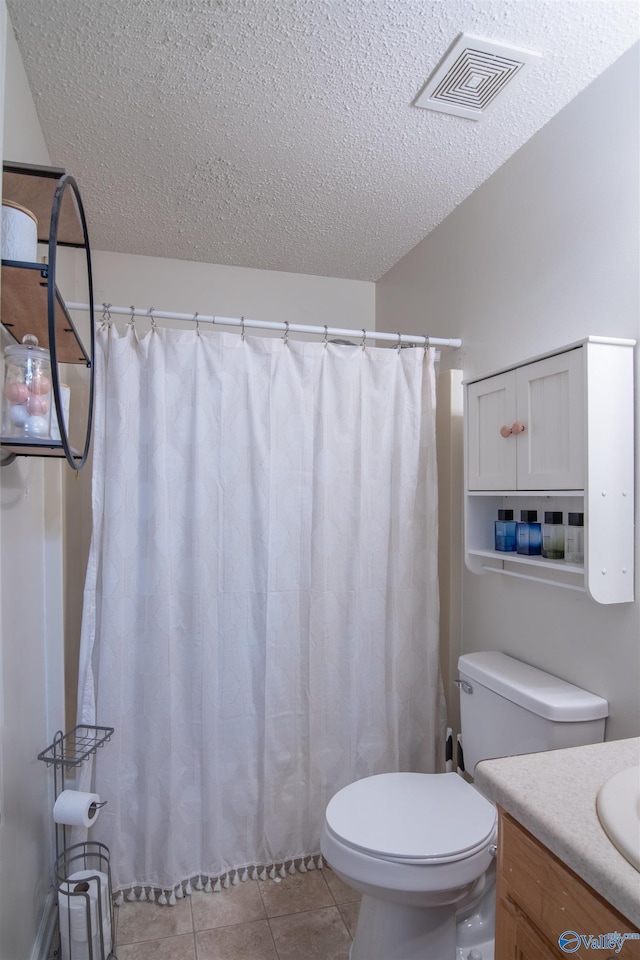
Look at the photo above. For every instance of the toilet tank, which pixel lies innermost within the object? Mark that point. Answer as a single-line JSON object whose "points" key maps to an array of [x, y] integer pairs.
{"points": [[508, 707]]}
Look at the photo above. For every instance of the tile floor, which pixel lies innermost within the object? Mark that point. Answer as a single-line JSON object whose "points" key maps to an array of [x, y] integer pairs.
{"points": [[310, 916]]}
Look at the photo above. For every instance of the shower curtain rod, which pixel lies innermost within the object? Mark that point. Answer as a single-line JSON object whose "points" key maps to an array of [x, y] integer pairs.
{"points": [[285, 327]]}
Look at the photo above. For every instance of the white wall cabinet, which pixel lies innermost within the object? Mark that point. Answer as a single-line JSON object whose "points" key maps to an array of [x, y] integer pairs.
{"points": [[556, 433], [526, 427]]}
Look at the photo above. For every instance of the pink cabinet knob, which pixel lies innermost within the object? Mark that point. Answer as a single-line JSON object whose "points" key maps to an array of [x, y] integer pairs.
{"points": [[515, 429]]}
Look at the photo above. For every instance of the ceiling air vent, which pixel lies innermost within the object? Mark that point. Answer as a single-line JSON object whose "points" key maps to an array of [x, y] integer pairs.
{"points": [[471, 75]]}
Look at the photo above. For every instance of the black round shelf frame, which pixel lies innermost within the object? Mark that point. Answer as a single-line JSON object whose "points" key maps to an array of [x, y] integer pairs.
{"points": [[68, 181]]}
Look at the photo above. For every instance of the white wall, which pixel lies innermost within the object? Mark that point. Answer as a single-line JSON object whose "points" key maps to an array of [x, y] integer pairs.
{"points": [[544, 253], [184, 287], [31, 623]]}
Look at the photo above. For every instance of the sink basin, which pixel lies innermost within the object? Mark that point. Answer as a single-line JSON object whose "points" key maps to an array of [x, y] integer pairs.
{"points": [[618, 806]]}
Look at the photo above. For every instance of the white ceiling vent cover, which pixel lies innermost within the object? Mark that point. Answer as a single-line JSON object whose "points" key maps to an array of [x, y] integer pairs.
{"points": [[471, 75]]}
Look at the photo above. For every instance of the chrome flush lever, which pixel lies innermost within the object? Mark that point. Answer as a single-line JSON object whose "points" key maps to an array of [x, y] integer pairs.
{"points": [[463, 685]]}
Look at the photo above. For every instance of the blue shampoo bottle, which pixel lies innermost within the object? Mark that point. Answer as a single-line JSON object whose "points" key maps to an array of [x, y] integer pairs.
{"points": [[505, 532], [529, 534]]}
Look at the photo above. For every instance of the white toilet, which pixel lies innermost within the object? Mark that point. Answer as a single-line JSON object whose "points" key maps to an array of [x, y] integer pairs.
{"points": [[418, 847]]}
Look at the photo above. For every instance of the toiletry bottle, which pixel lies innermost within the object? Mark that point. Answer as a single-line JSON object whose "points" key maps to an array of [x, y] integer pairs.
{"points": [[505, 532], [528, 534], [553, 535], [574, 538]]}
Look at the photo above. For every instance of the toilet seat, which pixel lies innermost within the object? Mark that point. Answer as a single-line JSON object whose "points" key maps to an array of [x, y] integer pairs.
{"points": [[416, 818]]}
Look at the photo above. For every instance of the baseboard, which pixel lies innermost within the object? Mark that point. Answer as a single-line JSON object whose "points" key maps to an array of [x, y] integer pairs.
{"points": [[42, 945]]}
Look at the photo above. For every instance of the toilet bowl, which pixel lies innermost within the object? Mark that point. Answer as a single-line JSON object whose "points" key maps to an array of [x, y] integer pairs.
{"points": [[419, 847]]}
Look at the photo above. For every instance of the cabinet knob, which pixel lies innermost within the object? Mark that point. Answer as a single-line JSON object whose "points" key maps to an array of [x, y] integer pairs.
{"points": [[515, 429]]}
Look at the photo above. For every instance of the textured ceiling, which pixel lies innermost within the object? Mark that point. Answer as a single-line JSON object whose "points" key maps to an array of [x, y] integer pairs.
{"points": [[280, 133]]}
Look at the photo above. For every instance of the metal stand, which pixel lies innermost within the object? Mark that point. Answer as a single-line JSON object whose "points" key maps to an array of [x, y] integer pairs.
{"points": [[82, 871]]}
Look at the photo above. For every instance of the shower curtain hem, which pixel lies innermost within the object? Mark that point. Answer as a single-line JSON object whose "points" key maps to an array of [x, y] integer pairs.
{"points": [[169, 894]]}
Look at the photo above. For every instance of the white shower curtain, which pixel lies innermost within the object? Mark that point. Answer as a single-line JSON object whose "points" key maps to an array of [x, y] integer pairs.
{"points": [[261, 605]]}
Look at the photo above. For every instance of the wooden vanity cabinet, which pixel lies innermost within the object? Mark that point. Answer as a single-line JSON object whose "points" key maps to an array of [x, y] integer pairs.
{"points": [[538, 899]]}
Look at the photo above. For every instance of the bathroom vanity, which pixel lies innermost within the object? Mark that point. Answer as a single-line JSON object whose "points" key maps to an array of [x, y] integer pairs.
{"points": [[558, 872], [538, 900]]}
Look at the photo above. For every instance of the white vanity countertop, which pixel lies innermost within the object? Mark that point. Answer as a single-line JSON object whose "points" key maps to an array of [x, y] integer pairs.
{"points": [[553, 796]]}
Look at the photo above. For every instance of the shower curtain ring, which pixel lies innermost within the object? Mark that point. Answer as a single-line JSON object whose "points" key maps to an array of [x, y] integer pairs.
{"points": [[132, 318], [106, 314], [242, 327], [197, 322], [426, 344], [153, 319], [286, 332], [364, 337], [399, 343], [326, 335]]}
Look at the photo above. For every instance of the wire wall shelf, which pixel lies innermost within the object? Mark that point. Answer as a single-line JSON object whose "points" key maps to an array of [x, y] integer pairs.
{"points": [[73, 748]]}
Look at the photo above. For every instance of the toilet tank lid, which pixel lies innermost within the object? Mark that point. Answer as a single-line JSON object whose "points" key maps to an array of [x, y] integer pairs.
{"points": [[537, 691]]}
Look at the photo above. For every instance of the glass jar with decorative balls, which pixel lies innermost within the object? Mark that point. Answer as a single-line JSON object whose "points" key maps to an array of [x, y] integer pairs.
{"points": [[27, 396]]}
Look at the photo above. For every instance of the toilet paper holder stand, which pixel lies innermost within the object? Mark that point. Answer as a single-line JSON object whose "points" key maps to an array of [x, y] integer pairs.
{"points": [[66, 752]]}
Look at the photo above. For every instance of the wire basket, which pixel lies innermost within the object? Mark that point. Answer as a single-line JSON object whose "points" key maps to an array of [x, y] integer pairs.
{"points": [[73, 748], [85, 903]]}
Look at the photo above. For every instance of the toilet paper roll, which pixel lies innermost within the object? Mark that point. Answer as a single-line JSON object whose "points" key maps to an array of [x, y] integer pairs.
{"points": [[19, 233], [81, 917], [76, 809]]}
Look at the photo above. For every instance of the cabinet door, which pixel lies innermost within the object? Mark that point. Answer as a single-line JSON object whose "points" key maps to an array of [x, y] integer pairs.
{"points": [[538, 899], [517, 938], [550, 402], [491, 458]]}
